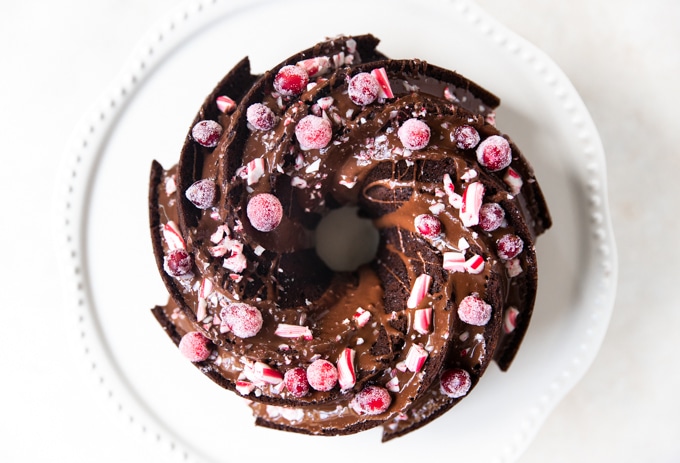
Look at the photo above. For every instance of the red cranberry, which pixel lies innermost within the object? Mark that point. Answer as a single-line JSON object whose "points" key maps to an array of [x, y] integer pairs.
{"points": [[313, 132], [494, 153], [474, 311], [414, 134], [296, 382], [363, 89], [177, 262], [509, 246], [372, 400], [455, 383], [264, 212], [195, 346], [260, 116], [244, 320], [428, 225], [466, 137], [491, 216], [202, 193], [291, 80], [207, 133], [322, 375]]}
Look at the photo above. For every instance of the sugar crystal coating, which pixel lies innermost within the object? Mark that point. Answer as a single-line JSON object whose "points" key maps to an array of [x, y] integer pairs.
{"points": [[491, 216], [264, 212], [207, 133], [455, 383], [313, 132], [244, 320], [509, 246], [363, 89], [291, 80], [322, 375], [177, 262], [414, 134], [260, 116], [296, 382], [466, 137], [202, 193], [474, 311], [494, 153], [428, 225], [195, 346], [372, 400]]}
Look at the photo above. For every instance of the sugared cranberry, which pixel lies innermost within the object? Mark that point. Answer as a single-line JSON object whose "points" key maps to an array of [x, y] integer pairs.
{"points": [[207, 133], [291, 80], [455, 383], [177, 262], [466, 137], [372, 400], [260, 116], [195, 346], [244, 320], [296, 382], [494, 153], [414, 134], [491, 216], [428, 225], [363, 89], [264, 212], [509, 246], [202, 193], [322, 375], [474, 311], [313, 132]]}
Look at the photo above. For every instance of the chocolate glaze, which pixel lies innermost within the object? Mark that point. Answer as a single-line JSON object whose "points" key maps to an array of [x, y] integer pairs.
{"points": [[279, 273]]}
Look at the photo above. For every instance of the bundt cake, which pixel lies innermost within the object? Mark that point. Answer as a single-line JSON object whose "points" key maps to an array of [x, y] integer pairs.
{"points": [[398, 341]]}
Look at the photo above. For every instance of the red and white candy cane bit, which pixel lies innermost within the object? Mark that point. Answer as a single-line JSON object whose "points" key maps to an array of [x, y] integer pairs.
{"points": [[346, 374], [204, 292], [393, 384], [416, 357], [225, 104], [513, 180], [510, 319], [420, 289], [422, 320], [514, 267], [315, 66], [474, 264], [361, 317], [173, 238], [244, 387], [449, 187], [472, 202], [293, 331], [385, 89], [325, 102], [265, 373], [454, 261], [255, 170]]}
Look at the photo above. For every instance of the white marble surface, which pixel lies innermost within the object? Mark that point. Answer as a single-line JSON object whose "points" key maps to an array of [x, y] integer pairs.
{"points": [[624, 59]]}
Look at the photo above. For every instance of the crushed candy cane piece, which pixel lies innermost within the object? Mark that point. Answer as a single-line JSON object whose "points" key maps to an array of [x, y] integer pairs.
{"points": [[421, 286], [510, 320], [173, 237], [361, 317], [264, 372], [346, 373], [225, 104], [474, 264], [381, 77], [422, 320], [416, 357], [293, 331], [472, 203], [514, 180], [255, 170], [454, 261]]}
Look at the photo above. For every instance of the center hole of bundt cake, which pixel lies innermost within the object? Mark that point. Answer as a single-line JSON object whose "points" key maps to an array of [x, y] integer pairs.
{"points": [[345, 241]]}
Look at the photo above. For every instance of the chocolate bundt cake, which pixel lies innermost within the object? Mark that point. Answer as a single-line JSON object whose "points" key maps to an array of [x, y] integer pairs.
{"points": [[398, 341]]}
